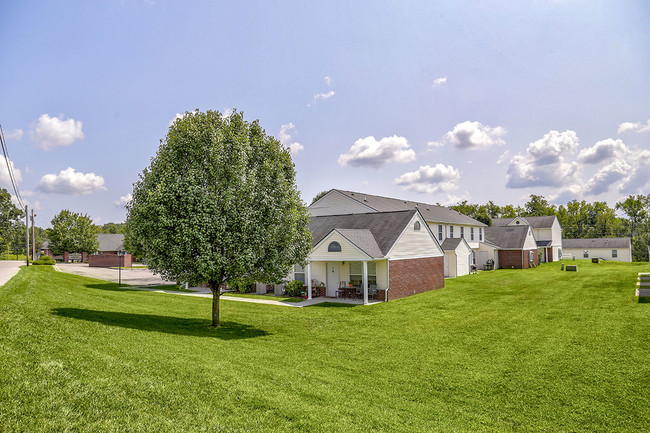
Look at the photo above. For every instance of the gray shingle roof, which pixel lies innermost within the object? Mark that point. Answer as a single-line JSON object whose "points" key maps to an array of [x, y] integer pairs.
{"points": [[507, 237], [430, 212], [596, 243], [538, 222], [541, 244], [363, 239], [110, 242], [383, 227], [450, 244]]}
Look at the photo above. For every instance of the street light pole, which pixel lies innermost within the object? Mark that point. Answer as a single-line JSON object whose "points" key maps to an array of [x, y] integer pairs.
{"points": [[120, 254]]}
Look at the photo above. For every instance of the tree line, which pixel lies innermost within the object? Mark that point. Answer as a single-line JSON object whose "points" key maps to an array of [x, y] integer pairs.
{"points": [[579, 219]]}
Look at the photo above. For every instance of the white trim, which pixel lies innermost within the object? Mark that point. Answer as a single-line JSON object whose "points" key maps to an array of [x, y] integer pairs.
{"points": [[414, 257]]}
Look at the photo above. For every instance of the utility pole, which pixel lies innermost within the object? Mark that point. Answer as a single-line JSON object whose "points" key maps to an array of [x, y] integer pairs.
{"points": [[27, 235], [33, 238]]}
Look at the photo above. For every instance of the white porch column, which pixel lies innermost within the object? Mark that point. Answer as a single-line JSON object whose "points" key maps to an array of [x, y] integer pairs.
{"points": [[309, 280], [365, 282]]}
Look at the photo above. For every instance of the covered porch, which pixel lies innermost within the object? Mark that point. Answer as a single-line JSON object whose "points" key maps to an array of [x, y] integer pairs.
{"points": [[353, 280]]}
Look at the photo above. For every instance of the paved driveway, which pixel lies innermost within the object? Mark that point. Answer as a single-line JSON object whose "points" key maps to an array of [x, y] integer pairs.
{"points": [[137, 277], [9, 268]]}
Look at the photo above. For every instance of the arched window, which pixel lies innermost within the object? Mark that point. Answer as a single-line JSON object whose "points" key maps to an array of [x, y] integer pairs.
{"points": [[334, 247], [416, 226]]}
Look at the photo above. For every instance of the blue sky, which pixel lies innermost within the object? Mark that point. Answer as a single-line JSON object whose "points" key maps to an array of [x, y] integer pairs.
{"points": [[429, 101]]}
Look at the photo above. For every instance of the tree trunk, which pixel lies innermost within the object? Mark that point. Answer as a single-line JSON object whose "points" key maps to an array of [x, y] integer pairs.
{"points": [[215, 288]]}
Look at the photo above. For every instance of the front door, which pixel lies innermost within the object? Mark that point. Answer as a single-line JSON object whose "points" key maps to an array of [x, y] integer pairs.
{"points": [[333, 278]]}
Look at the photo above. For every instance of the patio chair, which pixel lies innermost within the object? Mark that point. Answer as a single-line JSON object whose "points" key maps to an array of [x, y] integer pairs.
{"points": [[359, 291], [372, 291], [343, 284]]}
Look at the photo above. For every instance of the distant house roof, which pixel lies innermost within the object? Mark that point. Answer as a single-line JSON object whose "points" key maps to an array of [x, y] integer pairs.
{"points": [[596, 243], [537, 222], [110, 242], [375, 233], [542, 244], [430, 212], [507, 237]]}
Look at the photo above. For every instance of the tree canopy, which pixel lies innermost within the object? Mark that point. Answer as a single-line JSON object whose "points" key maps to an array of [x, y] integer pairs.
{"points": [[9, 216], [72, 232], [218, 204]]}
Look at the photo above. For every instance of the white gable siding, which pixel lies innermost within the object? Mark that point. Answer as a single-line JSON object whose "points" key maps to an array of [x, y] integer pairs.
{"points": [[543, 234], [450, 264], [415, 243], [335, 203], [530, 243], [348, 250], [318, 272], [556, 235]]}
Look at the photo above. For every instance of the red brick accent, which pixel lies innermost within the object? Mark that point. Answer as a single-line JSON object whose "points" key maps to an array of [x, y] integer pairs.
{"points": [[509, 259], [109, 260], [412, 276], [549, 255]]}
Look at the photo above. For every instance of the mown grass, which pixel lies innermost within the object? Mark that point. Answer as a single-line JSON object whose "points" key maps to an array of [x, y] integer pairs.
{"points": [[266, 297], [508, 350]]}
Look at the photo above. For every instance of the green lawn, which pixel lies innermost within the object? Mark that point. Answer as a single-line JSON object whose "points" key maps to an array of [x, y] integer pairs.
{"points": [[508, 350]]}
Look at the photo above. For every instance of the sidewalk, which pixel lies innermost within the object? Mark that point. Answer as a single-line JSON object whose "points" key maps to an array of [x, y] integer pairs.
{"points": [[9, 268]]}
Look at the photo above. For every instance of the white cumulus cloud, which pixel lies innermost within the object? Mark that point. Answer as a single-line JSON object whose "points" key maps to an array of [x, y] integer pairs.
{"points": [[285, 138], [368, 152], [634, 127], [475, 135], [48, 132], [606, 177], [123, 201], [429, 180], [16, 134], [71, 182], [5, 180], [603, 150], [439, 81], [545, 163]]}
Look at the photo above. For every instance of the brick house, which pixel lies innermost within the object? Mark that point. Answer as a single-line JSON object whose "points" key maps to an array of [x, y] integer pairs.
{"points": [[107, 253], [546, 230], [387, 255], [516, 246]]}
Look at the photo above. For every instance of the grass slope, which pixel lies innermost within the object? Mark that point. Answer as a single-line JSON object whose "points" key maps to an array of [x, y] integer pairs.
{"points": [[509, 350]]}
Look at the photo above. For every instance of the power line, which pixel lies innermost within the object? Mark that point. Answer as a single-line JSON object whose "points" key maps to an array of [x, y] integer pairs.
{"points": [[10, 170]]}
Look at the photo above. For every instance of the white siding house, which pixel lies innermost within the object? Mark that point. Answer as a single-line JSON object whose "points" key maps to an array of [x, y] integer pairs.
{"points": [[615, 249]]}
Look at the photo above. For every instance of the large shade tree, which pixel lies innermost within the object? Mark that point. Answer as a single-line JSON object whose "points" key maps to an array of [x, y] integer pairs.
{"points": [[72, 232], [218, 205], [9, 216]]}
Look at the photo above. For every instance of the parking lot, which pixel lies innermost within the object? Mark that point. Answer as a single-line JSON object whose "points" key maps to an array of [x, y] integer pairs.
{"points": [[136, 277]]}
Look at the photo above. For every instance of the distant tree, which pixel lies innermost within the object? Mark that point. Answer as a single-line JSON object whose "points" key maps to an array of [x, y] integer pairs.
{"points": [[111, 228], [538, 206], [493, 210], [219, 204], [509, 211], [9, 215], [16, 238], [73, 233], [478, 212], [319, 195], [636, 209], [640, 248]]}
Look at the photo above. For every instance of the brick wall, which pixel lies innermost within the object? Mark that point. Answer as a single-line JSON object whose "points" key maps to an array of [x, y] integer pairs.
{"points": [[109, 260], [513, 258], [413, 276]]}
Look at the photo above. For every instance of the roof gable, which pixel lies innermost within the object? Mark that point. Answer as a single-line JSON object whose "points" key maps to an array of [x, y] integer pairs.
{"points": [[384, 227], [508, 237], [596, 243]]}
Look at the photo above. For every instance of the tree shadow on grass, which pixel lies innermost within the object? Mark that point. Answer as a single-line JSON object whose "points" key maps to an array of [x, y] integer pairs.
{"points": [[166, 324], [114, 287], [333, 305]]}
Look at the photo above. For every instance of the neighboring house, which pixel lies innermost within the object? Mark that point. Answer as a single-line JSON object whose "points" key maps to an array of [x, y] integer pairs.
{"points": [[547, 232], [389, 255], [616, 249], [443, 222], [516, 246], [458, 257], [45, 249], [107, 252]]}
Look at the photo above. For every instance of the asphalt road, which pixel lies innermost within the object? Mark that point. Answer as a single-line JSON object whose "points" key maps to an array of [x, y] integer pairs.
{"points": [[136, 277], [9, 268]]}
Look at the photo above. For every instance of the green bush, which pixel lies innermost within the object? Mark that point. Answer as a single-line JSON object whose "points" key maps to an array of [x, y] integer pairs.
{"points": [[243, 286], [295, 288], [44, 260]]}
